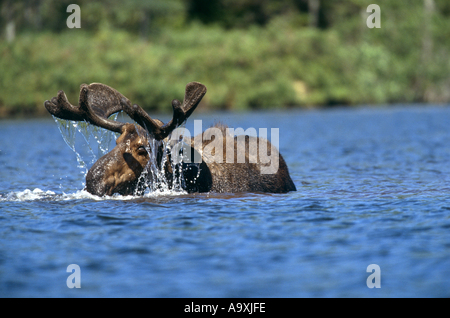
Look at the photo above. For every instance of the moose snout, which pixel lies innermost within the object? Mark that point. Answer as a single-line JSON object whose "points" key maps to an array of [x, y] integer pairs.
{"points": [[115, 172]]}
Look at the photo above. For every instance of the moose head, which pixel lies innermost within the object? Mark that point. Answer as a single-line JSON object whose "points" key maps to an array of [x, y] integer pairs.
{"points": [[120, 170]]}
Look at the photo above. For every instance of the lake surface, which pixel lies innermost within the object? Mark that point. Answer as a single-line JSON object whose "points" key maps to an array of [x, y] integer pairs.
{"points": [[373, 187]]}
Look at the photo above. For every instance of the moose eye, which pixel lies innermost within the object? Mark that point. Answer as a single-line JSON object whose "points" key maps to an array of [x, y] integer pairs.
{"points": [[142, 151]]}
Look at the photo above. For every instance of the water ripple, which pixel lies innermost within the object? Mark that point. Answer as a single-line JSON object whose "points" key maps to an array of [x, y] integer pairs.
{"points": [[373, 188]]}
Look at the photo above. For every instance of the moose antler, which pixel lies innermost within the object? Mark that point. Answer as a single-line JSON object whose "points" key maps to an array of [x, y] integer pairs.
{"points": [[193, 95], [98, 101]]}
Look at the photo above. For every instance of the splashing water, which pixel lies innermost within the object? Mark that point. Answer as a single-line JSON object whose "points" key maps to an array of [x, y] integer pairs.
{"points": [[93, 137], [153, 178]]}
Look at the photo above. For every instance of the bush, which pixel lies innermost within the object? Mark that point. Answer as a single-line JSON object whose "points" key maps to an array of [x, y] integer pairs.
{"points": [[275, 66]]}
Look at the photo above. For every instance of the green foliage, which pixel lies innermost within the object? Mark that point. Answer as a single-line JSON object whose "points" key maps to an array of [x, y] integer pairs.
{"points": [[280, 63]]}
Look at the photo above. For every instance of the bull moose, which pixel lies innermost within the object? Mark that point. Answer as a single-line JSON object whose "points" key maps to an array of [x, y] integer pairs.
{"points": [[121, 170]]}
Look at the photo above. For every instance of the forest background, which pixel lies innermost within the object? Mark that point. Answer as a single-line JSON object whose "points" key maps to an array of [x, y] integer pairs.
{"points": [[251, 54]]}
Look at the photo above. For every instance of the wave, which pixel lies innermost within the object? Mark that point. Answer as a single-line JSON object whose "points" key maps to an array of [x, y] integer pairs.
{"points": [[40, 195]]}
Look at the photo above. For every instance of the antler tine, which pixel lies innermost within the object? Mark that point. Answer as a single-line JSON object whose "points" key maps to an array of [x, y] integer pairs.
{"points": [[60, 107], [193, 95], [97, 102]]}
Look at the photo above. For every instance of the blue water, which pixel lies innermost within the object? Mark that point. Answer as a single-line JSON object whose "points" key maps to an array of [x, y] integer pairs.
{"points": [[373, 188]]}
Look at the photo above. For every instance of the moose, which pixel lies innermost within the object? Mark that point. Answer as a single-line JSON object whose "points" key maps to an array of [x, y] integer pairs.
{"points": [[121, 170]]}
